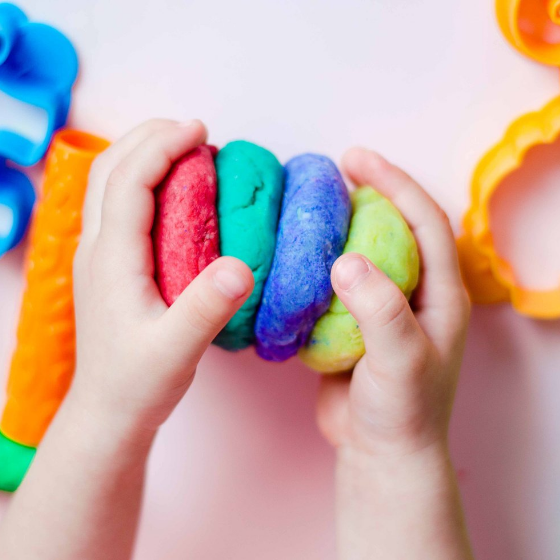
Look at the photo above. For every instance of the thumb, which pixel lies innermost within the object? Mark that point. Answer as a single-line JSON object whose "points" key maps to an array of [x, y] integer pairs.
{"points": [[393, 339], [206, 305]]}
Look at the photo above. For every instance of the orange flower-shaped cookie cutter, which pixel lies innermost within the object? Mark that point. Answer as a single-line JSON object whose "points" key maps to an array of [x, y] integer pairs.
{"points": [[490, 278], [532, 27]]}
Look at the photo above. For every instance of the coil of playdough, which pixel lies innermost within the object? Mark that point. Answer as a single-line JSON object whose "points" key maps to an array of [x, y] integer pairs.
{"points": [[43, 362], [311, 234], [185, 232], [379, 232], [250, 184]]}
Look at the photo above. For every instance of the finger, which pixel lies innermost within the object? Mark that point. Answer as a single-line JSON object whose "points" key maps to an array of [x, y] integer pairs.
{"points": [[102, 167], [393, 338], [205, 306], [128, 205], [441, 285]]}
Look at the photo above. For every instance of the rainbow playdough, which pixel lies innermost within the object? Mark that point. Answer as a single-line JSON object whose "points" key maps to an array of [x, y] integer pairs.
{"points": [[289, 225]]}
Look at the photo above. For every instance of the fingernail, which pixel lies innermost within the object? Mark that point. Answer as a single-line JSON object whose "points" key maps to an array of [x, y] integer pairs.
{"points": [[230, 282], [351, 271]]}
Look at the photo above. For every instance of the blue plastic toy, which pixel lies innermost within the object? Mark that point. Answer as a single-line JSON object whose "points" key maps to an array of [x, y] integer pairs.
{"points": [[38, 67], [17, 197]]}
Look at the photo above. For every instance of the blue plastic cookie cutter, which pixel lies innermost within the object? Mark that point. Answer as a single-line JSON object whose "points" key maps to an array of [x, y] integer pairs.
{"points": [[17, 198], [38, 67]]}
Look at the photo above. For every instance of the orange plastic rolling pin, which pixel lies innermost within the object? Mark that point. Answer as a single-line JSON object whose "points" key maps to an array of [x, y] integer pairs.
{"points": [[43, 362]]}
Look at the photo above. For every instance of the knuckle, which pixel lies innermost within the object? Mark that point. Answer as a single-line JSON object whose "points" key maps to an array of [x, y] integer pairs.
{"points": [[465, 303], [79, 257], [200, 315], [156, 124], [115, 192], [391, 309], [421, 359], [442, 216], [459, 301], [117, 179], [99, 164]]}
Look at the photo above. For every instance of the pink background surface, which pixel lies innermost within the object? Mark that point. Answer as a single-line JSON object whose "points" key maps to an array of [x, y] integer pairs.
{"points": [[240, 471]]}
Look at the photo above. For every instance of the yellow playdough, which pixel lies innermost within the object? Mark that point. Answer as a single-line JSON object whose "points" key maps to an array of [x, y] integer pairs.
{"points": [[379, 232]]}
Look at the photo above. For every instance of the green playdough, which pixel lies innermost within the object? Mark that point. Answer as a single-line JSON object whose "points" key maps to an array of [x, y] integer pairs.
{"points": [[14, 462], [250, 183], [378, 231]]}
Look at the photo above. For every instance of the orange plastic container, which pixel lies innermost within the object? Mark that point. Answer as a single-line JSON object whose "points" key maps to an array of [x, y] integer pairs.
{"points": [[43, 362]]}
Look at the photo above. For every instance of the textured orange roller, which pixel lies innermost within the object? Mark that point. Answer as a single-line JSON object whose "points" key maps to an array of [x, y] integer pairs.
{"points": [[43, 362]]}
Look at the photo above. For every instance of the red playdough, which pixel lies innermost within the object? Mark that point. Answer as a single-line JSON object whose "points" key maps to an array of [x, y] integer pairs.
{"points": [[185, 232]]}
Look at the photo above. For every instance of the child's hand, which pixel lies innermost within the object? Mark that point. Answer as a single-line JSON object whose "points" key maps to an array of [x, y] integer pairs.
{"points": [[400, 396], [137, 357], [397, 496]]}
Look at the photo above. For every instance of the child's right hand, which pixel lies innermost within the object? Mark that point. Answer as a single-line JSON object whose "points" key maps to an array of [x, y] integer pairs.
{"points": [[400, 397], [397, 496], [136, 357]]}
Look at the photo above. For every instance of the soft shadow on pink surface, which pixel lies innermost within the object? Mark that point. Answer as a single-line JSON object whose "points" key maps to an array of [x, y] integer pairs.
{"points": [[505, 465], [240, 471]]}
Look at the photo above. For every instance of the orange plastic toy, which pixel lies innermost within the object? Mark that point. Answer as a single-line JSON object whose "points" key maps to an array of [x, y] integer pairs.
{"points": [[532, 27], [489, 278], [43, 362]]}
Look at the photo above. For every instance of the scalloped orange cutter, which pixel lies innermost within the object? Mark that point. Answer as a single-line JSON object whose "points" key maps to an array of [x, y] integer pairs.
{"points": [[488, 277]]}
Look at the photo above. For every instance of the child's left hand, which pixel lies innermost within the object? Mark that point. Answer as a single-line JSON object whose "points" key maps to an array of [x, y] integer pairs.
{"points": [[136, 357]]}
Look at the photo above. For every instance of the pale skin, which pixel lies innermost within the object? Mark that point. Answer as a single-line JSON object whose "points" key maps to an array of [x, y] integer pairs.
{"points": [[397, 496]]}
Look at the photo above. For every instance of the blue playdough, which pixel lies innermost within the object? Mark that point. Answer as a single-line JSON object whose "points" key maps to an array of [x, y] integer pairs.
{"points": [[311, 235]]}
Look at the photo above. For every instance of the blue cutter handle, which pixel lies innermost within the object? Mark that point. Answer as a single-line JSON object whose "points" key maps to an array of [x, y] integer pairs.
{"points": [[11, 17], [18, 196], [38, 66]]}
